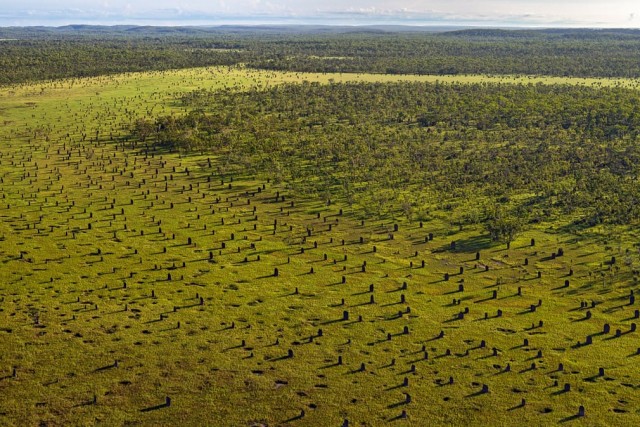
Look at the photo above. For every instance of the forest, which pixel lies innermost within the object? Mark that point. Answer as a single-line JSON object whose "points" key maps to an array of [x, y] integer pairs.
{"points": [[538, 152], [36, 54]]}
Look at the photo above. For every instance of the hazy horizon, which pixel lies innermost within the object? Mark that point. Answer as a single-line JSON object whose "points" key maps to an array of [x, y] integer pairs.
{"points": [[487, 13]]}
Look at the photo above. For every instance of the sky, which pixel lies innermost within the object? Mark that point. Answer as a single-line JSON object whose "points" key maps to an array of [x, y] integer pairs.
{"points": [[536, 13]]}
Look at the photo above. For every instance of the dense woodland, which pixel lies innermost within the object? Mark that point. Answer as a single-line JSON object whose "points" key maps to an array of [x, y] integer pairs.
{"points": [[579, 54], [50, 58], [483, 151], [35, 54]]}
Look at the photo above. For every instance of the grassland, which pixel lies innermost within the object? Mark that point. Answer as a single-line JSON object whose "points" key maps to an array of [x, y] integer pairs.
{"points": [[129, 276]]}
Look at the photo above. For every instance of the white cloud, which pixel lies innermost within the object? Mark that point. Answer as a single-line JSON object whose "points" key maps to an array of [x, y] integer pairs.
{"points": [[527, 12]]}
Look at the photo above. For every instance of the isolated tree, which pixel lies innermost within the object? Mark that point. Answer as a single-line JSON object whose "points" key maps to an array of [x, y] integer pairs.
{"points": [[143, 128], [504, 226]]}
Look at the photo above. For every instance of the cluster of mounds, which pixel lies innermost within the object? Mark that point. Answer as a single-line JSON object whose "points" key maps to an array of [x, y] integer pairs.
{"points": [[141, 287]]}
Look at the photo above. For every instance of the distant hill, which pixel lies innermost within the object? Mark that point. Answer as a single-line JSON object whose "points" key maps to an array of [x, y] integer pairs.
{"points": [[119, 30]]}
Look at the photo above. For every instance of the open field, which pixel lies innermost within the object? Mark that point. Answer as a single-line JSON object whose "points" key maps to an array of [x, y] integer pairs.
{"points": [[132, 276], [176, 81]]}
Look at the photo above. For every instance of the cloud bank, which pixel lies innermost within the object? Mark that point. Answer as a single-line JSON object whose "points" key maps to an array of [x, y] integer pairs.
{"points": [[588, 13]]}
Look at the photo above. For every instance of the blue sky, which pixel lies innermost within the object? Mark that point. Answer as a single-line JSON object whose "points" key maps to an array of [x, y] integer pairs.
{"points": [[574, 13]]}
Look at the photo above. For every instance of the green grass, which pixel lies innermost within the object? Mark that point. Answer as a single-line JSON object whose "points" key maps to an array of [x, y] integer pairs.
{"points": [[72, 278]]}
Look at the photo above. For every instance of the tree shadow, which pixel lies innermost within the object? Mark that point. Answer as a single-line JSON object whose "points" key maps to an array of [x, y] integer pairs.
{"points": [[475, 244]]}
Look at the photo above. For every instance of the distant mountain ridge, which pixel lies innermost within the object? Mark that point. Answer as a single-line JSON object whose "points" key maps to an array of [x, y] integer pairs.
{"points": [[151, 30]]}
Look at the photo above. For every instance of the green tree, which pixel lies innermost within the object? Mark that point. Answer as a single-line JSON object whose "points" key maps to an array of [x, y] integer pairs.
{"points": [[504, 227]]}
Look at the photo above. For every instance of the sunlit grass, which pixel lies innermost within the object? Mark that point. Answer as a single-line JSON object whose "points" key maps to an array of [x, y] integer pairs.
{"points": [[88, 230]]}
